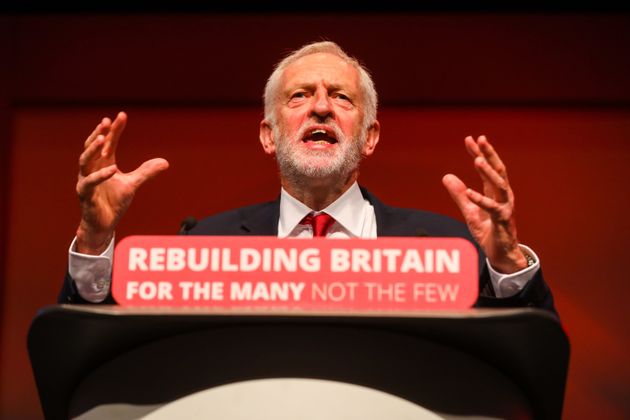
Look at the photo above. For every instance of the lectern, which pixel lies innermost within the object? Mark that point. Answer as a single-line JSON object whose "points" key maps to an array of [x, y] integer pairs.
{"points": [[489, 363]]}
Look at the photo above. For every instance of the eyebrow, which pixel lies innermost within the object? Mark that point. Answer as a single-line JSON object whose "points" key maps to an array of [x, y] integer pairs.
{"points": [[309, 85]]}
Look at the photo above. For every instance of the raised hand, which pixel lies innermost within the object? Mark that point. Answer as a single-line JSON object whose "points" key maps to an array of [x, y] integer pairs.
{"points": [[489, 216], [104, 191]]}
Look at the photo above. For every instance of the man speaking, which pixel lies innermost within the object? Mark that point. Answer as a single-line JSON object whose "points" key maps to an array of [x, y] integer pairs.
{"points": [[320, 122]]}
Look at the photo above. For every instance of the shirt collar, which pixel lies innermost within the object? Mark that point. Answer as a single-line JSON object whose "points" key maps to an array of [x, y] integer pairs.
{"points": [[347, 210]]}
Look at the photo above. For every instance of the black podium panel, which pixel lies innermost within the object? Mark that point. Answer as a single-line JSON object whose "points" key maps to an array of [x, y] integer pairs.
{"points": [[456, 363]]}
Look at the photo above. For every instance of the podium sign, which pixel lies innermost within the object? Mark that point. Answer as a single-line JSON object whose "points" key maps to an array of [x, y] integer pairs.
{"points": [[389, 274]]}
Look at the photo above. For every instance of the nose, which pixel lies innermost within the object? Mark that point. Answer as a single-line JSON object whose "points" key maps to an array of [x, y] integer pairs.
{"points": [[322, 106]]}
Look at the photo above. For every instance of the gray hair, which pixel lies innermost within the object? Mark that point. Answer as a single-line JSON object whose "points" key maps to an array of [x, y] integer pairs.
{"points": [[367, 85]]}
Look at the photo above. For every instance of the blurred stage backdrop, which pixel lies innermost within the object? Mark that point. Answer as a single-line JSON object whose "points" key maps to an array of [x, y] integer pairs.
{"points": [[550, 89]]}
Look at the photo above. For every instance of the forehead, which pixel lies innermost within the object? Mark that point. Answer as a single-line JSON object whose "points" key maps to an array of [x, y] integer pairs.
{"points": [[321, 67]]}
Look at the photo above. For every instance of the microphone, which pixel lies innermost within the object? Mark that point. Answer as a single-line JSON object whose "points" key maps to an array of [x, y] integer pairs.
{"points": [[187, 224]]}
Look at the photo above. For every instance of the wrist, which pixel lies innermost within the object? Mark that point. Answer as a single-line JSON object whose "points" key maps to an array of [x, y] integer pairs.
{"points": [[512, 262], [92, 243]]}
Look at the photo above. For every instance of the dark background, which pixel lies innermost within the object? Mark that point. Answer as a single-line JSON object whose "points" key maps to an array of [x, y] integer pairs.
{"points": [[548, 85]]}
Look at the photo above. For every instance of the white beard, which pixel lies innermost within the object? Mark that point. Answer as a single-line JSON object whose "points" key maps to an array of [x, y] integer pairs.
{"points": [[297, 163]]}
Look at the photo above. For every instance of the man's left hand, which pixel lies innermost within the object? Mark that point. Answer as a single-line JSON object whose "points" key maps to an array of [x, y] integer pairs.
{"points": [[489, 216]]}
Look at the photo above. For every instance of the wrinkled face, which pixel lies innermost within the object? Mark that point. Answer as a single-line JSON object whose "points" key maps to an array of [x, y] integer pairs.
{"points": [[319, 118]]}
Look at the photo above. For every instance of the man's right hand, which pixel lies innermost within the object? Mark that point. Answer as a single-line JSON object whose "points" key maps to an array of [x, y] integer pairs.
{"points": [[105, 192]]}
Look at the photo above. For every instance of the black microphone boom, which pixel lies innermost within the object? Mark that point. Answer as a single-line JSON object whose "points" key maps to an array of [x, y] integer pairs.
{"points": [[187, 224]]}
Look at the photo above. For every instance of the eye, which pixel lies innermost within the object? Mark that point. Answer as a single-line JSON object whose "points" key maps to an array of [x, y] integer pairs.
{"points": [[298, 95], [342, 97]]}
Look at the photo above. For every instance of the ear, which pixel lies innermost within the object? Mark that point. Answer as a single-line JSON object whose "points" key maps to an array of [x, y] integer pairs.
{"points": [[371, 140], [266, 137]]}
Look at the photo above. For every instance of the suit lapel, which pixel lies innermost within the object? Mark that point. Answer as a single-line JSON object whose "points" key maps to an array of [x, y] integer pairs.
{"points": [[391, 221], [384, 223], [261, 220]]}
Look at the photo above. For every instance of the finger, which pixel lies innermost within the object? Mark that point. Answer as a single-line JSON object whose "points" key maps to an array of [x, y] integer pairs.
{"points": [[483, 201], [148, 170], [88, 155], [492, 156], [114, 135], [101, 128], [472, 147], [86, 184], [457, 190], [493, 183]]}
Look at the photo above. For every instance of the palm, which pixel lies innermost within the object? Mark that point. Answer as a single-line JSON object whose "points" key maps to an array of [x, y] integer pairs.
{"points": [[110, 200]]}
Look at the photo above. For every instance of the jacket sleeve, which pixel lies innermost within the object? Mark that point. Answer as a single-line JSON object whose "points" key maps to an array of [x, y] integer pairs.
{"points": [[70, 294], [535, 294]]}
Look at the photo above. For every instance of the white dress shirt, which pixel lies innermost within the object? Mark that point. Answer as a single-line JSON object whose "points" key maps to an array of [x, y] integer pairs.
{"points": [[354, 218]]}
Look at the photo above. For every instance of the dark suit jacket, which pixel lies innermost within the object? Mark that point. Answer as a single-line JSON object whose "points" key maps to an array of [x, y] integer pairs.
{"points": [[262, 220]]}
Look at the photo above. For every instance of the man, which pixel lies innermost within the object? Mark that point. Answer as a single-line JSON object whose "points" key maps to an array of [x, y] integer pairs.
{"points": [[320, 121]]}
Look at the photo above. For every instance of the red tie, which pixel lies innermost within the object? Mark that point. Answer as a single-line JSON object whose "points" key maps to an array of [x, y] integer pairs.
{"points": [[320, 223]]}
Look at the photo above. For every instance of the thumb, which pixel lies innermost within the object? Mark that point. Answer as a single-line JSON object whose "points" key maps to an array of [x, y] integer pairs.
{"points": [[457, 190], [148, 170]]}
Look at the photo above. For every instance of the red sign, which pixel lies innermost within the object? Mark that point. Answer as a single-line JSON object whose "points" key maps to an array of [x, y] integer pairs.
{"points": [[402, 274]]}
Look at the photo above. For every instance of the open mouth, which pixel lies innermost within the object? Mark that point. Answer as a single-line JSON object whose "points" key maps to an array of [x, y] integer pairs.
{"points": [[320, 136]]}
